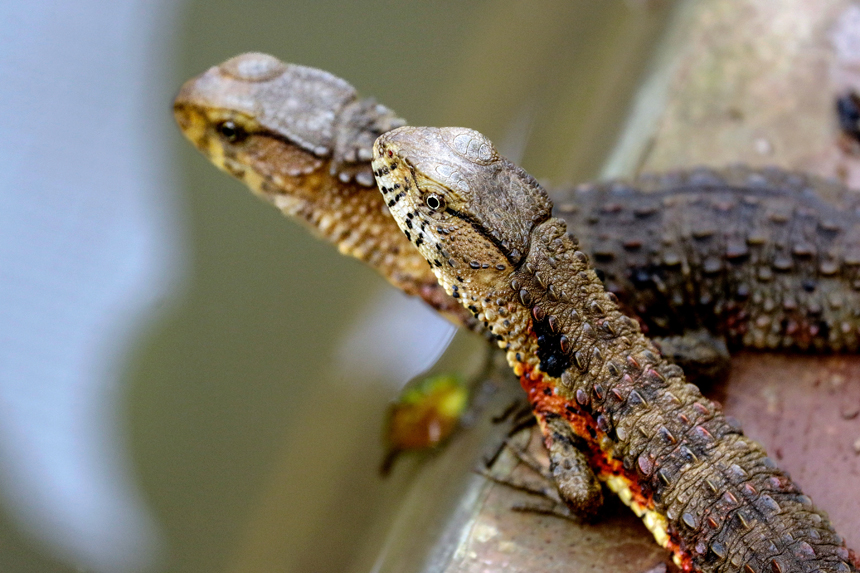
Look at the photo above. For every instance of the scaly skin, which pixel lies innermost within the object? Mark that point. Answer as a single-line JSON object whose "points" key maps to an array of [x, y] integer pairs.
{"points": [[707, 493], [766, 258], [685, 251]]}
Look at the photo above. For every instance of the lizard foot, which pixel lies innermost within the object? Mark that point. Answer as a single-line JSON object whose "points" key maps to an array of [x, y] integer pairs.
{"points": [[569, 487]]}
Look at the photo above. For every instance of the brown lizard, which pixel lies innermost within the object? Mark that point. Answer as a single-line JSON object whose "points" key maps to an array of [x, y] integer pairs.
{"points": [[707, 493], [758, 258], [301, 139]]}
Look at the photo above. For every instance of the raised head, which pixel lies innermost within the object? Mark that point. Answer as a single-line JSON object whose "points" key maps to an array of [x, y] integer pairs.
{"points": [[451, 192], [275, 125]]}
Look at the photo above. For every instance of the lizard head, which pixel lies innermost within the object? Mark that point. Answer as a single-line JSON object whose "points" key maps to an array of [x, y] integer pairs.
{"points": [[301, 139], [292, 133], [469, 211]]}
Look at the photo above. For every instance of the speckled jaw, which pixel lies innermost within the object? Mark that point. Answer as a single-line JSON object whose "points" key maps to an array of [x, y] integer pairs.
{"points": [[275, 171], [300, 185], [425, 208], [392, 178]]}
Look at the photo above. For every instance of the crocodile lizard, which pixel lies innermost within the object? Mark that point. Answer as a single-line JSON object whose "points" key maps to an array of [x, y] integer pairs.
{"points": [[761, 258], [301, 139], [707, 493]]}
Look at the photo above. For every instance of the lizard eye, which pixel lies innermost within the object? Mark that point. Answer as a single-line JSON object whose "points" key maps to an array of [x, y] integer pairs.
{"points": [[434, 201], [231, 132]]}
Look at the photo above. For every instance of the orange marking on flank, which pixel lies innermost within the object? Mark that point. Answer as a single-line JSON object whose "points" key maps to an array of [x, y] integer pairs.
{"points": [[541, 391]]}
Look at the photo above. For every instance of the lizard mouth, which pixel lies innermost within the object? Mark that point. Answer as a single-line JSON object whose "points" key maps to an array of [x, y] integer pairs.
{"points": [[192, 123]]}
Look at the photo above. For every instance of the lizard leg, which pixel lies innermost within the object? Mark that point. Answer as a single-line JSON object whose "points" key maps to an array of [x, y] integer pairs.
{"points": [[568, 466], [572, 490], [703, 357]]}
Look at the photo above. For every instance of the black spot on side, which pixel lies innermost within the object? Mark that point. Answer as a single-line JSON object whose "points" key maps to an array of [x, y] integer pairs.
{"points": [[552, 360]]}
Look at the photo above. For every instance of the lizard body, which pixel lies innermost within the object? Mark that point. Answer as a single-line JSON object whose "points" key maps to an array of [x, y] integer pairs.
{"points": [[707, 493]]}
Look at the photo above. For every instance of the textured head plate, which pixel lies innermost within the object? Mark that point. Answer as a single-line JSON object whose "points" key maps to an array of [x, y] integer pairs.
{"points": [[298, 103], [498, 199], [471, 145]]}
